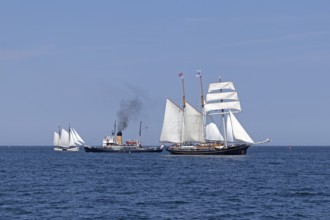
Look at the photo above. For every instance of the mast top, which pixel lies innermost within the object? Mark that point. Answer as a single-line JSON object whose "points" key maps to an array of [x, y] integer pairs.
{"points": [[199, 75], [183, 94]]}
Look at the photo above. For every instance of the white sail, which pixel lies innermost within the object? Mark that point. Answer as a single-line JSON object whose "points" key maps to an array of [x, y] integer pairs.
{"points": [[221, 96], [56, 139], [234, 105], [172, 124], [80, 141], [71, 138], [229, 129], [64, 138], [212, 132], [239, 132], [219, 100], [221, 85], [74, 138], [193, 125]]}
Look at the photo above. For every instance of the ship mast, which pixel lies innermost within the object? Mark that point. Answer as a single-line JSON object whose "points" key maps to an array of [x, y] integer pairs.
{"points": [[183, 94], [114, 129], [223, 120], [69, 135], [140, 129], [139, 141], [199, 75], [183, 106]]}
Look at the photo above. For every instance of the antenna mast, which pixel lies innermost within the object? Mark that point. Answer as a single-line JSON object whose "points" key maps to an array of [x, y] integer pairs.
{"points": [[140, 129], [114, 129]]}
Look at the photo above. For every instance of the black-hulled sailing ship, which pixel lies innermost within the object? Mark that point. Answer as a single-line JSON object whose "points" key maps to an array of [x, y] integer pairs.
{"points": [[194, 132], [114, 144]]}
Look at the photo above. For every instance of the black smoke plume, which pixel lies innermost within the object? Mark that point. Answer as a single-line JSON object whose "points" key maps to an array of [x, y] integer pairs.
{"points": [[129, 109]]}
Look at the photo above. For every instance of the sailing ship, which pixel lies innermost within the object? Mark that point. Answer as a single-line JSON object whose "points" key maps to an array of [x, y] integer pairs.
{"points": [[67, 140], [194, 132], [114, 144]]}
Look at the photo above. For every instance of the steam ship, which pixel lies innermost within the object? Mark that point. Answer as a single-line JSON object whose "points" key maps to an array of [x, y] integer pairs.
{"points": [[114, 144]]}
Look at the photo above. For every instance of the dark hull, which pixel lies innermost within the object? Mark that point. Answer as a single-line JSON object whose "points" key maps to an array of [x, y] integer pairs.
{"points": [[126, 150], [235, 150]]}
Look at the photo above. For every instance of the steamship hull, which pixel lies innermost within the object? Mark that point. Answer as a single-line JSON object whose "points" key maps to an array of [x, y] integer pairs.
{"points": [[234, 150], [124, 149]]}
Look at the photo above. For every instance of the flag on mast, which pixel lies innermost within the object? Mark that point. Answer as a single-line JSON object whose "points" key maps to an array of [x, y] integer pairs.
{"points": [[181, 75], [199, 73]]}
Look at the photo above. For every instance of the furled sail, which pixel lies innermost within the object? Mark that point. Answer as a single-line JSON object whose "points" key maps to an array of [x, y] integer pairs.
{"points": [[239, 132], [212, 132], [193, 125], [172, 124]]}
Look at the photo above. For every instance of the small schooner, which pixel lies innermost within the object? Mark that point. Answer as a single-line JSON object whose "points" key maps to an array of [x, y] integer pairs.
{"points": [[193, 132], [67, 140]]}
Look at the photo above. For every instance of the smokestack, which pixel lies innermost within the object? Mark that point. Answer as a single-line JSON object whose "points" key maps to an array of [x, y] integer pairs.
{"points": [[119, 138]]}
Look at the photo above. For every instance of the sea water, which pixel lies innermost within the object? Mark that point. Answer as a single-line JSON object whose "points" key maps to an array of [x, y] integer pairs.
{"points": [[267, 183]]}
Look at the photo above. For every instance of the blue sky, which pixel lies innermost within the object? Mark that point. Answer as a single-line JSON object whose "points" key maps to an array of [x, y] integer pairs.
{"points": [[75, 61]]}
